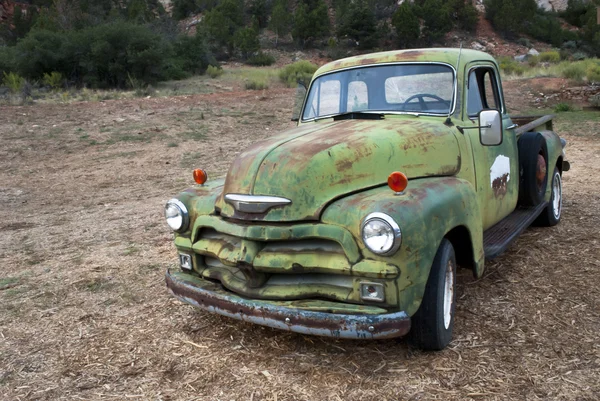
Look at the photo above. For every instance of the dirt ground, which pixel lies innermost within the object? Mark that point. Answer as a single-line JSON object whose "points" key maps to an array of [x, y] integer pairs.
{"points": [[84, 312]]}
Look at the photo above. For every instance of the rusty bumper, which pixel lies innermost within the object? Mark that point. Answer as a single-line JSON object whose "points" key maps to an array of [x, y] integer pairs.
{"points": [[213, 298]]}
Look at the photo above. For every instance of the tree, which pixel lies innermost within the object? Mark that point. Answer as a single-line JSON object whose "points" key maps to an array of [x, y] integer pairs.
{"points": [[359, 24], [406, 23], [260, 9], [280, 20], [183, 8], [464, 14], [311, 21], [246, 41], [222, 22], [436, 20], [509, 16]]}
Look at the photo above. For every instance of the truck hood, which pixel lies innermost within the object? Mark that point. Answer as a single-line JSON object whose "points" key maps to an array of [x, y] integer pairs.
{"points": [[316, 163]]}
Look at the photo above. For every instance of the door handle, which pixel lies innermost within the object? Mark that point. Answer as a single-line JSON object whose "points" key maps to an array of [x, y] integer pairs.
{"points": [[512, 126]]}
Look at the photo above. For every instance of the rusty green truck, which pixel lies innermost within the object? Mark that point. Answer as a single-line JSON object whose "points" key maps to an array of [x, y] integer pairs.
{"points": [[403, 166]]}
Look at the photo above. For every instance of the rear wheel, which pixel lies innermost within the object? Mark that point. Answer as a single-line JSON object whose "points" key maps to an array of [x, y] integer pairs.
{"points": [[533, 166], [550, 216], [433, 323]]}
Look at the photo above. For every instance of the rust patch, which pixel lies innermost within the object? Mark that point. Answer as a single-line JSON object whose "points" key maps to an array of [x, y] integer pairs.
{"points": [[499, 185]]}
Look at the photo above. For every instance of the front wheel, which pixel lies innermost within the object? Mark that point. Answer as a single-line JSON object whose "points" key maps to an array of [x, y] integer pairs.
{"points": [[550, 216], [433, 323]]}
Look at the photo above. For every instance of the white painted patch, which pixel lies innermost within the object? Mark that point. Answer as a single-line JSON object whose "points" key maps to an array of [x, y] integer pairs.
{"points": [[500, 168]]}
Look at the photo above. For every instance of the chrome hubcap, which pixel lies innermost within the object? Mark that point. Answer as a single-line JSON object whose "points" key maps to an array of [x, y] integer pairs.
{"points": [[448, 294], [557, 195]]}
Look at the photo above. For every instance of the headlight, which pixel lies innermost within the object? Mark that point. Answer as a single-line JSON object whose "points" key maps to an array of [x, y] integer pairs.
{"points": [[381, 234], [177, 215]]}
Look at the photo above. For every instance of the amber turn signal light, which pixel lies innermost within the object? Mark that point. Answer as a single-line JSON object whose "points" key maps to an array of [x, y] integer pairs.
{"points": [[200, 176], [397, 181]]}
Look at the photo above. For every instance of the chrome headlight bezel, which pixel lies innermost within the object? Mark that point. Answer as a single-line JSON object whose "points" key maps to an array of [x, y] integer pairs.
{"points": [[394, 230], [185, 217]]}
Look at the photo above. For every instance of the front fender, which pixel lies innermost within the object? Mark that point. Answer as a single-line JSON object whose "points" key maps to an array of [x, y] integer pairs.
{"points": [[427, 210], [200, 201]]}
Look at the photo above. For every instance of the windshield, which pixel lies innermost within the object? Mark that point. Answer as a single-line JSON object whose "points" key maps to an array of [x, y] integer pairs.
{"points": [[410, 88]]}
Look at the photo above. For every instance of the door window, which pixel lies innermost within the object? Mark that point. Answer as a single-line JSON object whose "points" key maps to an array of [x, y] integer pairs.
{"points": [[482, 92]]}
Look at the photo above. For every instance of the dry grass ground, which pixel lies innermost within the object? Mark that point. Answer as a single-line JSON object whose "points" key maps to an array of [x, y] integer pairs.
{"points": [[84, 312]]}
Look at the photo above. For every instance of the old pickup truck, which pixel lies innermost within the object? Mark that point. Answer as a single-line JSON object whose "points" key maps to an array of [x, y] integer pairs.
{"points": [[403, 166]]}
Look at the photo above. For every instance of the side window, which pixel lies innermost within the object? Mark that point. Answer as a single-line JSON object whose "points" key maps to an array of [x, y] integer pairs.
{"points": [[482, 92], [474, 103], [358, 96], [491, 93]]}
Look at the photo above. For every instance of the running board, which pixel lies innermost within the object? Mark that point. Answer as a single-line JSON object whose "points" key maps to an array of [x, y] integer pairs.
{"points": [[497, 238]]}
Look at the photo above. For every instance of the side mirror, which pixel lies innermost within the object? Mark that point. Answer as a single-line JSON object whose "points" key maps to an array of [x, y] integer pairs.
{"points": [[299, 101], [490, 127]]}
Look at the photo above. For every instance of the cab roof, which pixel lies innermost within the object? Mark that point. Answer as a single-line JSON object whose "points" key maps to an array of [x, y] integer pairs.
{"points": [[443, 55]]}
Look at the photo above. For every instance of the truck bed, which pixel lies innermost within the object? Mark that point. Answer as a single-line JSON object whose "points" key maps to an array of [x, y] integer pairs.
{"points": [[533, 123]]}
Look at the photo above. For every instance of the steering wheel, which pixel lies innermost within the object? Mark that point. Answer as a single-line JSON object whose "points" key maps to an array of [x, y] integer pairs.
{"points": [[421, 97]]}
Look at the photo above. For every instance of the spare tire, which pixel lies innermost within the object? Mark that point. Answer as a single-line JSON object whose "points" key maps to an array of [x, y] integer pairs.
{"points": [[533, 168]]}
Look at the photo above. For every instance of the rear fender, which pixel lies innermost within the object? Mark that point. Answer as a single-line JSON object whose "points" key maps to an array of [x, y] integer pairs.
{"points": [[427, 210], [555, 151]]}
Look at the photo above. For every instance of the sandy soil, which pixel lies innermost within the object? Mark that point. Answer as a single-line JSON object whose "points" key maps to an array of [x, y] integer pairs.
{"points": [[84, 312]]}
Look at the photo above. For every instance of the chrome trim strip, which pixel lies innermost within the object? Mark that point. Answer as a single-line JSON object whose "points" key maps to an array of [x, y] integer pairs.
{"points": [[255, 203], [454, 95], [514, 126]]}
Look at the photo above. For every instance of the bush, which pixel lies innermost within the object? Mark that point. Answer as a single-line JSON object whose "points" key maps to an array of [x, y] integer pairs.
{"points": [[595, 100], [257, 84], [510, 66], [14, 82], [246, 41], [7, 59], [578, 56], [54, 80], [562, 107], [593, 73], [261, 59], [533, 60], [107, 55], [575, 71], [552, 56], [297, 72], [214, 71]]}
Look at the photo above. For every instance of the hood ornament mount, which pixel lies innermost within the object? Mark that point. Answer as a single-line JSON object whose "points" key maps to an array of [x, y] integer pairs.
{"points": [[255, 203]]}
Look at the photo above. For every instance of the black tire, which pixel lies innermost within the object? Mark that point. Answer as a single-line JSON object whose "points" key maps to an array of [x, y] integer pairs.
{"points": [[430, 330], [531, 188], [550, 216]]}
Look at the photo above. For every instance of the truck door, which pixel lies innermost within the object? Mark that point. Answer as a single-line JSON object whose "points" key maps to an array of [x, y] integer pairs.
{"points": [[496, 167]]}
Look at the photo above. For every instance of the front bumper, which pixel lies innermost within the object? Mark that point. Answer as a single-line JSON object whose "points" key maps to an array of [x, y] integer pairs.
{"points": [[213, 298]]}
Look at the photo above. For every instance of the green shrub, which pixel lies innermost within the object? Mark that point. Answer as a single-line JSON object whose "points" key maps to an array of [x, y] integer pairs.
{"points": [[551, 56], [593, 73], [575, 71], [257, 84], [510, 66], [13, 81], [533, 60], [299, 71], [562, 107], [106, 55], [54, 80], [578, 56], [214, 71], [261, 59], [595, 100]]}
